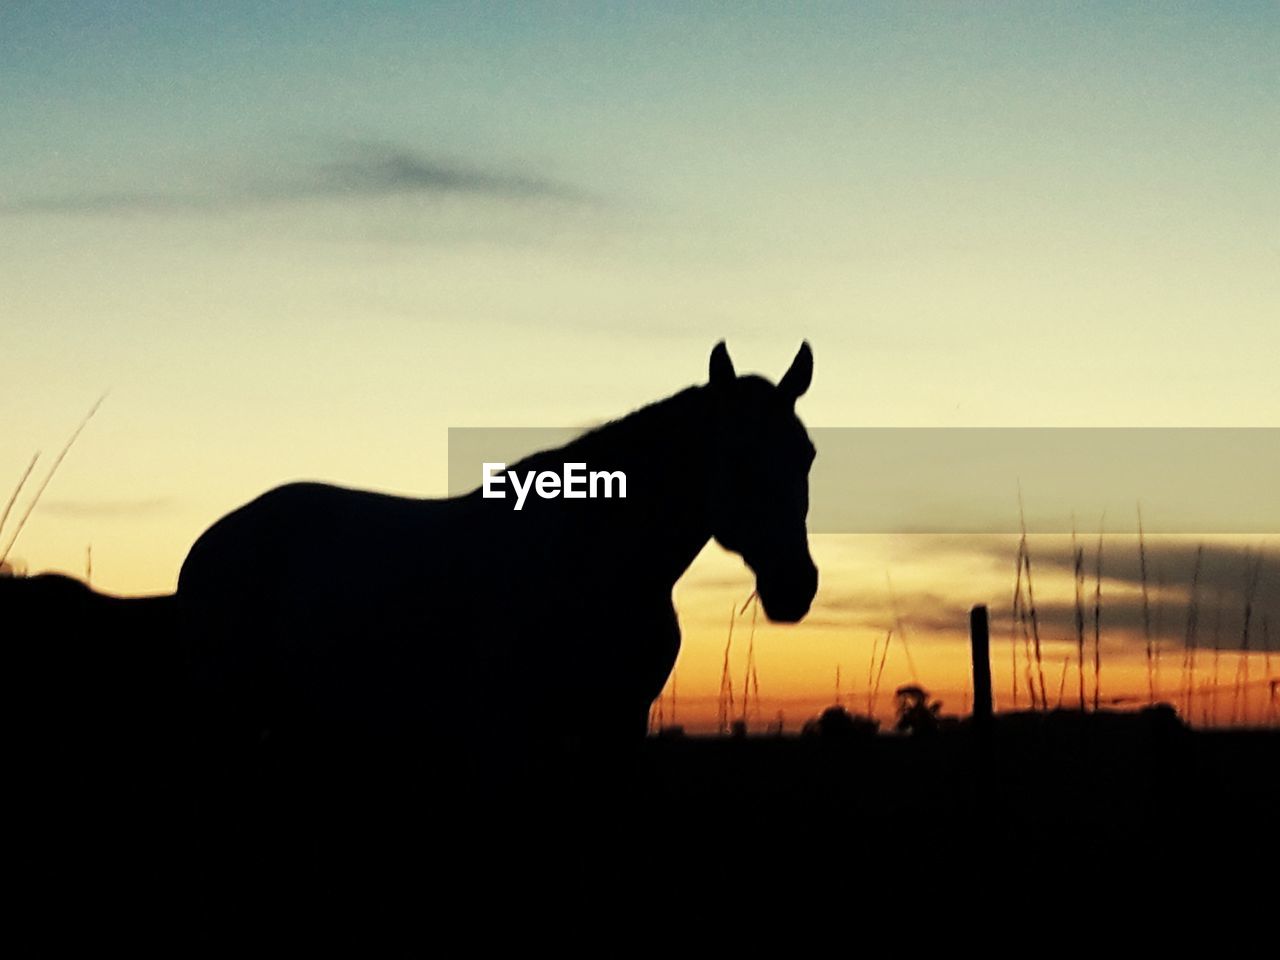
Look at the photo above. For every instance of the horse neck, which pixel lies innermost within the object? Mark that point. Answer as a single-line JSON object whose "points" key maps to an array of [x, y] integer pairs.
{"points": [[664, 522]]}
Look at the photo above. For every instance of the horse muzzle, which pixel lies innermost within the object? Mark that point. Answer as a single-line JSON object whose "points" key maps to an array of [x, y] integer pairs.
{"points": [[786, 594]]}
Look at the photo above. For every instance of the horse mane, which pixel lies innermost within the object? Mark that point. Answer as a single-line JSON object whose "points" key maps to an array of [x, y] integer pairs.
{"points": [[631, 432]]}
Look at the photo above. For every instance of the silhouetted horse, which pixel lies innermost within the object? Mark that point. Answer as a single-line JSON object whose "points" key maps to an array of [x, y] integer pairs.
{"points": [[94, 699], [89, 667], [464, 616]]}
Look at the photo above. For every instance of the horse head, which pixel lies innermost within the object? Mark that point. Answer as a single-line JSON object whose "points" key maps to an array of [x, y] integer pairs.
{"points": [[759, 494]]}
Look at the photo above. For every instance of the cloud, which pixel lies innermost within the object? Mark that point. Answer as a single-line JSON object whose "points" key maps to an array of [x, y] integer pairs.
{"points": [[1222, 589], [1221, 592], [380, 169], [363, 170], [99, 203], [875, 611], [87, 509]]}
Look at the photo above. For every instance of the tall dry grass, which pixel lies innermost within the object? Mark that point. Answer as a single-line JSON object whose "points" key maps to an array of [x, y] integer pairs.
{"points": [[751, 676], [13, 497], [1189, 638], [44, 484], [1077, 562], [1097, 618], [1239, 692], [875, 690], [1035, 628], [726, 678], [1146, 610], [1014, 621]]}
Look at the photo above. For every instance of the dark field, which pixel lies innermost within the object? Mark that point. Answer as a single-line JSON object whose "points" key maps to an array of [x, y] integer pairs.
{"points": [[132, 827]]}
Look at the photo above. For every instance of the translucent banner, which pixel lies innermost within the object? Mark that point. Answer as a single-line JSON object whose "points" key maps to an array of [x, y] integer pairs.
{"points": [[968, 480]]}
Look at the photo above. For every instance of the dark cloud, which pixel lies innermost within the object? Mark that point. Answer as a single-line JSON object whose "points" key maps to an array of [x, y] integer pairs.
{"points": [[1222, 566], [1222, 590], [379, 169], [352, 171]]}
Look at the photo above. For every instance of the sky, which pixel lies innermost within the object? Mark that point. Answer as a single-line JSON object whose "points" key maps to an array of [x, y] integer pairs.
{"points": [[303, 240]]}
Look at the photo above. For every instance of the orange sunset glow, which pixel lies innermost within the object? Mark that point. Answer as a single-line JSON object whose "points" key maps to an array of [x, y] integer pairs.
{"points": [[923, 588]]}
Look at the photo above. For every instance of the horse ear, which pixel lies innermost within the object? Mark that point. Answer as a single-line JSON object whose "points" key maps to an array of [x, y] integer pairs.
{"points": [[722, 370], [796, 380]]}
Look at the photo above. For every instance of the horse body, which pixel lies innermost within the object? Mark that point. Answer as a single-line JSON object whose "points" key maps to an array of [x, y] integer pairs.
{"points": [[370, 614], [379, 614]]}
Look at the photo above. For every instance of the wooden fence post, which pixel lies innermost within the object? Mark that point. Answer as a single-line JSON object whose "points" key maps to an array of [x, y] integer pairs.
{"points": [[980, 644]]}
